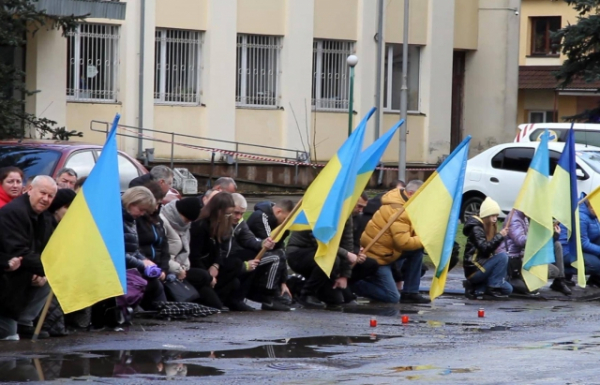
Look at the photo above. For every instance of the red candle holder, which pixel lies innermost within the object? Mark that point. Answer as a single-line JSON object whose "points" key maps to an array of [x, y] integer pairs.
{"points": [[404, 319], [373, 322], [481, 313]]}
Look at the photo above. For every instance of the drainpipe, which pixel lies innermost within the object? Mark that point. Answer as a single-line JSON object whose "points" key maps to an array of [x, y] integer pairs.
{"points": [[141, 85], [380, 45]]}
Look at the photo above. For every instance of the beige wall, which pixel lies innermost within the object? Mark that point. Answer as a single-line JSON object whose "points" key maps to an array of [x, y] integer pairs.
{"points": [[415, 152], [181, 120], [466, 21], [264, 17], [336, 19], [537, 99], [328, 131], [182, 14], [532, 8], [79, 116], [260, 127], [394, 21]]}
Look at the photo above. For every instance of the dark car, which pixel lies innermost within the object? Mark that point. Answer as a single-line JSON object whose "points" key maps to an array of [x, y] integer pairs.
{"points": [[45, 157]]}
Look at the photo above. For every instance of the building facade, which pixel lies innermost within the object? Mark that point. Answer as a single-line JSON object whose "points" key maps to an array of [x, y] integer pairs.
{"points": [[274, 73], [540, 98]]}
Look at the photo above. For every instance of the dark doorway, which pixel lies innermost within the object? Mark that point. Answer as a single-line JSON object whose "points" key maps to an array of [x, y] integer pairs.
{"points": [[458, 96]]}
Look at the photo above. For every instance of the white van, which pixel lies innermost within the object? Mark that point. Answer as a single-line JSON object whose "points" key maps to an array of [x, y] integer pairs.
{"points": [[585, 133]]}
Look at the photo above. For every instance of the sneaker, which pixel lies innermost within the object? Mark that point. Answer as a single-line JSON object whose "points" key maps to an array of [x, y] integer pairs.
{"points": [[311, 302], [560, 286], [285, 299], [26, 331], [14, 337], [413, 298], [274, 305], [240, 306], [494, 294]]}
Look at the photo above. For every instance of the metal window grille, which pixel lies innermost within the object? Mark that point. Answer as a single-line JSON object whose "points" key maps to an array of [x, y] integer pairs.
{"points": [[331, 74], [177, 66], [392, 82], [258, 64], [93, 52]]}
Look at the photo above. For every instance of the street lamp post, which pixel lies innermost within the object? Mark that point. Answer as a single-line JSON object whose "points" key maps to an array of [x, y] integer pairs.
{"points": [[352, 61]]}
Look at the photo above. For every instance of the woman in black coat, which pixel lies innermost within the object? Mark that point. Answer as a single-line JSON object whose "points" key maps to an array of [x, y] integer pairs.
{"points": [[151, 232]]}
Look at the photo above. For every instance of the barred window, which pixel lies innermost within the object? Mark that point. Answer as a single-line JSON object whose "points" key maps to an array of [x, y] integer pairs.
{"points": [[392, 82], [93, 52], [177, 66], [258, 63], [331, 74]]}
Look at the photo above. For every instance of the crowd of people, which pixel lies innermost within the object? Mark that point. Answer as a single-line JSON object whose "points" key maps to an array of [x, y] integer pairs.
{"points": [[202, 250]]}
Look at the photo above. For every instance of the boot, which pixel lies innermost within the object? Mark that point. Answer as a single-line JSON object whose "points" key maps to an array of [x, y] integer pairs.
{"points": [[560, 286], [413, 298]]}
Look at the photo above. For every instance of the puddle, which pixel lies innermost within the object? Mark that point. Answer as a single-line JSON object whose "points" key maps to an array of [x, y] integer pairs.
{"points": [[442, 371], [379, 311], [574, 345], [170, 364]]}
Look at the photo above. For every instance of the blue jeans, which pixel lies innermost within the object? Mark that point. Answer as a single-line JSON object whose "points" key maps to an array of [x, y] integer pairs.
{"points": [[494, 276], [382, 287], [592, 264]]}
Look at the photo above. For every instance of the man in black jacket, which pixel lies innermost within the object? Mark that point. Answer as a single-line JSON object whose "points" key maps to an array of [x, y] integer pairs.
{"points": [[264, 280], [25, 228], [267, 216]]}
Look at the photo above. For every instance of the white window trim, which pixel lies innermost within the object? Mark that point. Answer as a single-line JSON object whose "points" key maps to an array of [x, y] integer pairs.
{"points": [[163, 63], [244, 69], [543, 112], [390, 69], [319, 71], [76, 34]]}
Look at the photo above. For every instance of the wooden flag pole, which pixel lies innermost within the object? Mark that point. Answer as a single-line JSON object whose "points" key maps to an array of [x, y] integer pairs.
{"points": [[39, 370], [275, 232], [384, 229], [38, 328]]}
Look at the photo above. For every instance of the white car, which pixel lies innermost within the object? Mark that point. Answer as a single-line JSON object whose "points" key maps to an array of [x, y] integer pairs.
{"points": [[499, 173], [585, 133]]}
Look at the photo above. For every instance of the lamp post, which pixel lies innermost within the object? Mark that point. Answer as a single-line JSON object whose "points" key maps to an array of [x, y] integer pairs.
{"points": [[352, 61]]}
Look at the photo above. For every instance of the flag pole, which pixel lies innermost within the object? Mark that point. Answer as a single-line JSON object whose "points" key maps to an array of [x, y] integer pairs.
{"points": [[38, 328], [384, 229], [275, 232]]}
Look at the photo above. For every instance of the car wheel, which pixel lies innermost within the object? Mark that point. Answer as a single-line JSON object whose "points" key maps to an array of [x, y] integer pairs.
{"points": [[470, 207]]}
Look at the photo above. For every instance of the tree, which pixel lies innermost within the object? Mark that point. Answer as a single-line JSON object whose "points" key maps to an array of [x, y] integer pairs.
{"points": [[580, 43], [18, 20]]}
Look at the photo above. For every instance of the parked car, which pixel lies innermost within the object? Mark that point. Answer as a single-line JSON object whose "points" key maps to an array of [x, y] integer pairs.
{"points": [[499, 173], [585, 133], [44, 157]]}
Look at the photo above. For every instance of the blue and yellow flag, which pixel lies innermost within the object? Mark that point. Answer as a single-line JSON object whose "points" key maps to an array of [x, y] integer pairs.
{"points": [[84, 260], [564, 200], [434, 212], [533, 201]]}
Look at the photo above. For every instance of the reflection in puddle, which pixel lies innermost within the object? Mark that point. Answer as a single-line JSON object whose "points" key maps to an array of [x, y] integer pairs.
{"points": [[443, 372], [170, 364], [378, 311]]}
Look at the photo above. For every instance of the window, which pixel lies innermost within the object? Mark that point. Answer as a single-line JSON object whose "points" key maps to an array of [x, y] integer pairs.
{"points": [[331, 74], [257, 79], [513, 159], [541, 116], [541, 39], [93, 52], [32, 160], [177, 66], [82, 162], [392, 80], [127, 171]]}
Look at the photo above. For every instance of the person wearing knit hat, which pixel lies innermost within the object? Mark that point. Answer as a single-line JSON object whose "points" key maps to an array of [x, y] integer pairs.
{"points": [[189, 208], [60, 204], [485, 267]]}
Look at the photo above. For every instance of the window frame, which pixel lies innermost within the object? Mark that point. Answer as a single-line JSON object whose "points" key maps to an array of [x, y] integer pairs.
{"points": [[507, 149], [548, 46], [388, 63], [317, 98], [544, 112], [162, 78]]}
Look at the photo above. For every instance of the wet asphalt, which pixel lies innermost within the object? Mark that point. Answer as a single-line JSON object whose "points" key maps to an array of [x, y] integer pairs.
{"points": [[548, 340]]}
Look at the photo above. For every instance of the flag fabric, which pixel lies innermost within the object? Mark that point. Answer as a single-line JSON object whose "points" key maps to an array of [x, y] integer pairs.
{"points": [[564, 200], [434, 212], [84, 260], [533, 200]]}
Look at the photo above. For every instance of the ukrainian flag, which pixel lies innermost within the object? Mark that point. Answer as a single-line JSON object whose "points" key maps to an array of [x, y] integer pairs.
{"points": [[565, 207], [84, 260], [434, 212], [533, 201]]}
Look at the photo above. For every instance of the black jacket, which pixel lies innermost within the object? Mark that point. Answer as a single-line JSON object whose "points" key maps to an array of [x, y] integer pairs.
{"points": [[262, 222], [141, 180], [153, 241], [22, 233], [204, 249], [478, 249], [306, 240], [134, 259], [360, 221]]}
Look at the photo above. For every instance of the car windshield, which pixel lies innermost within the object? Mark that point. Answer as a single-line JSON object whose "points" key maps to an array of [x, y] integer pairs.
{"points": [[592, 158], [32, 160]]}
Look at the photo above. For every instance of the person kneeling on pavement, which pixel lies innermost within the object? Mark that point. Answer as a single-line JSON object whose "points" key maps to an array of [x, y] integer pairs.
{"points": [[398, 244], [25, 228], [262, 280], [514, 246], [485, 269]]}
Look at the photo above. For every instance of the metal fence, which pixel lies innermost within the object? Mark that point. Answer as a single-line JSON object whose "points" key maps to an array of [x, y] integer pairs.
{"points": [[177, 66], [92, 72], [331, 74], [258, 64]]}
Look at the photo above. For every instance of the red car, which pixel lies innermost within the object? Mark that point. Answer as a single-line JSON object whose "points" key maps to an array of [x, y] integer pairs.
{"points": [[46, 157]]}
